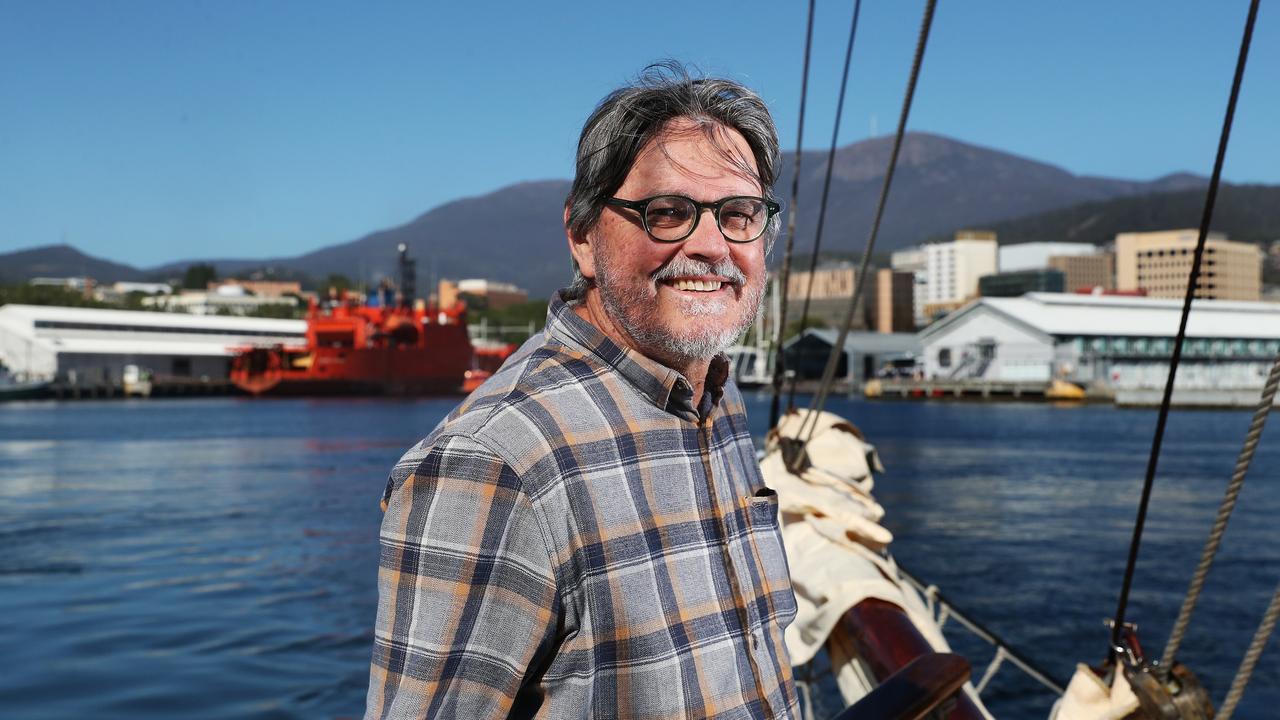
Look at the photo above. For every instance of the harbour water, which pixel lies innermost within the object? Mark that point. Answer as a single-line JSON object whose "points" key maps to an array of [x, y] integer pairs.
{"points": [[216, 557]]}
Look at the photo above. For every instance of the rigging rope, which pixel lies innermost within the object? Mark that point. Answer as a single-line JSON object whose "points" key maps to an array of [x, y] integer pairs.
{"points": [[828, 374], [1012, 655], [1192, 283], [1265, 628], [779, 365], [826, 183], [1224, 514]]}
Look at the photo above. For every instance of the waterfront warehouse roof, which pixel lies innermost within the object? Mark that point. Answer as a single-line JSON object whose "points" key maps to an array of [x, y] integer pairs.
{"points": [[1066, 314], [55, 316], [91, 331], [867, 343]]}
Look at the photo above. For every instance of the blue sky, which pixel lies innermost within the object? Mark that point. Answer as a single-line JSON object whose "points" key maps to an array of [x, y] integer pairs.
{"points": [[146, 132]]}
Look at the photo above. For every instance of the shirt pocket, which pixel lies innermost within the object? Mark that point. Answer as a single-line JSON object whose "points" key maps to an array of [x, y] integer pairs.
{"points": [[771, 559], [764, 508]]}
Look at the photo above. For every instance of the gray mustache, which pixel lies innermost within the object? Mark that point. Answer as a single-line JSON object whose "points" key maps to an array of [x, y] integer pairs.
{"points": [[682, 266]]}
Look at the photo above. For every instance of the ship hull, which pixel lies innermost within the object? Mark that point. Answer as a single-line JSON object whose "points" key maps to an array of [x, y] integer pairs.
{"points": [[438, 369]]}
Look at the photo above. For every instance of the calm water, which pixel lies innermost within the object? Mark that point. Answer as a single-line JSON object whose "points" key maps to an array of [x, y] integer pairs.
{"points": [[216, 558]]}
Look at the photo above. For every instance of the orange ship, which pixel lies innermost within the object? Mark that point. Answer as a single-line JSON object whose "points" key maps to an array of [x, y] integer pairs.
{"points": [[394, 347]]}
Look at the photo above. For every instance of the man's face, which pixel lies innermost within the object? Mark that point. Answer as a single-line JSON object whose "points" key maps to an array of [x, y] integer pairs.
{"points": [[684, 301]]}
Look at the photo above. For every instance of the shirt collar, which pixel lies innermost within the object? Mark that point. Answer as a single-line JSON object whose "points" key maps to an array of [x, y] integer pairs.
{"points": [[661, 385]]}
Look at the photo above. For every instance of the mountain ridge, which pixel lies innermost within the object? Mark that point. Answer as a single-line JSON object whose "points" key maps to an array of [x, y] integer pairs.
{"points": [[515, 233]]}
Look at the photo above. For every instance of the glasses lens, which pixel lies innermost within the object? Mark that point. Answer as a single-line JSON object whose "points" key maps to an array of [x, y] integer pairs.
{"points": [[669, 217], [743, 219]]}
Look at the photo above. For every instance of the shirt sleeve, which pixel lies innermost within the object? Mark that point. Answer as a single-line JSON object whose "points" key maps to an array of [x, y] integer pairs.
{"points": [[467, 599]]}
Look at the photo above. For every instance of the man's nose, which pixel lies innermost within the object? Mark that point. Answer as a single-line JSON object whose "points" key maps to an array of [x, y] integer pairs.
{"points": [[706, 242]]}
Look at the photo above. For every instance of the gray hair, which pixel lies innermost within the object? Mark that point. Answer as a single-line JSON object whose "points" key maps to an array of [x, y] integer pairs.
{"points": [[624, 123]]}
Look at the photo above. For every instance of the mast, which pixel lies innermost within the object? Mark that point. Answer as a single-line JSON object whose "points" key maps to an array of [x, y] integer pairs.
{"points": [[408, 277]]}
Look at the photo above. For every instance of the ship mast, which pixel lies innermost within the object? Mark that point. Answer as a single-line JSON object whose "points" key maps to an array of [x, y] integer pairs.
{"points": [[408, 277]]}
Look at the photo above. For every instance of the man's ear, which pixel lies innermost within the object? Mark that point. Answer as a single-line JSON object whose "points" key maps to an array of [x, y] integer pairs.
{"points": [[580, 249]]}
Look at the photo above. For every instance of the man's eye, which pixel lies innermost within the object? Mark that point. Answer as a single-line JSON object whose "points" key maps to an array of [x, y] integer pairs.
{"points": [[667, 216]]}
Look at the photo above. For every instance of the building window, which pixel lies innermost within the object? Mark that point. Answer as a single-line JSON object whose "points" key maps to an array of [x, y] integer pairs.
{"points": [[944, 357]]}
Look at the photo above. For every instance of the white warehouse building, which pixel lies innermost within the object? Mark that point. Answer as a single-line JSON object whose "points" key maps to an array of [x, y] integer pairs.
{"points": [[1123, 343], [87, 346]]}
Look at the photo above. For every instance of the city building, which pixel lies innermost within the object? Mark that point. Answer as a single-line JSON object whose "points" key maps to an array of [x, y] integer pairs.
{"points": [[893, 307], [91, 347], [1038, 255], [225, 300], [481, 294], [886, 307], [832, 288], [1083, 265], [914, 261], [1160, 263], [952, 270], [82, 284], [146, 288], [1018, 282], [1086, 272], [260, 288], [863, 356], [1115, 342]]}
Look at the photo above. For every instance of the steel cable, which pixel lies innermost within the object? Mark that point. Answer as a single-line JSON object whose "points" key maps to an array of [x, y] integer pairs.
{"points": [[828, 374], [826, 183], [1192, 282], [1265, 628], [1224, 514], [779, 365]]}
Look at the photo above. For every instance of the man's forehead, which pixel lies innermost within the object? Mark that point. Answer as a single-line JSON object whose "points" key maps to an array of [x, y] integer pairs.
{"points": [[718, 151]]}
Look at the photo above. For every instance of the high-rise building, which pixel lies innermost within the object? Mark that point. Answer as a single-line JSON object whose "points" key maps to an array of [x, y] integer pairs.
{"points": [[953, 269], [885, 307], [893, 308], [829, 294], [1160, 264], [915, 261]]}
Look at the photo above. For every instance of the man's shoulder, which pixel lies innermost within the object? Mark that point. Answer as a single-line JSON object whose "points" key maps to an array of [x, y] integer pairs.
{"points": [[512, 414]]}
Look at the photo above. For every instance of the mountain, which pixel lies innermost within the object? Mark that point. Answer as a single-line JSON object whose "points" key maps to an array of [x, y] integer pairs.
{"points": [[515, 234], [940, 185], [1249, 213], [61, 261]]}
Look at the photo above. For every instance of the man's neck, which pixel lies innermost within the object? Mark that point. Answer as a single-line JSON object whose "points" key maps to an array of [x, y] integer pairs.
{"points": [[591, 309]]}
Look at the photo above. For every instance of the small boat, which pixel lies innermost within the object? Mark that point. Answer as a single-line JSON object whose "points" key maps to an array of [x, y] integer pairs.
{"points": [[136, 381], [752, 366], [21, 388]]}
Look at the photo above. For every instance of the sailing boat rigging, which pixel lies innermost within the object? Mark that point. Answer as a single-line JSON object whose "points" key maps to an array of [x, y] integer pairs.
{"points": [[866, 610]]}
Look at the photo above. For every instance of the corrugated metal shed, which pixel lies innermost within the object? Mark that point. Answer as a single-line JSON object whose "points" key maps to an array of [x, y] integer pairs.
{"points": [[1064, 314]]}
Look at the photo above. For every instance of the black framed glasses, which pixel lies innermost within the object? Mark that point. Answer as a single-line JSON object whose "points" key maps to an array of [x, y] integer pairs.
{"points": [[672, 218]]}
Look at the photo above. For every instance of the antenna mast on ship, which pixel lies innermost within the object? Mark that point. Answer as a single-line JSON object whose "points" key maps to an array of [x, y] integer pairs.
{"points": [[408, 277]]}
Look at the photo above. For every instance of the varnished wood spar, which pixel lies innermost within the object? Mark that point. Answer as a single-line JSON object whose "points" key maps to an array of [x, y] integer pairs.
{"points": [[919, 690], [888, 642]]}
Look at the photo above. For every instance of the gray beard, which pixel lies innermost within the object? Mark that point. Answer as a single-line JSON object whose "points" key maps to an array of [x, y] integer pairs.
{"points": [[630, 308]]}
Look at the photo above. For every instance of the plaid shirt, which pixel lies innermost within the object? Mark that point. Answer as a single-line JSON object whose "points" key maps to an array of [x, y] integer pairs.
{"points": [[578, 540]]}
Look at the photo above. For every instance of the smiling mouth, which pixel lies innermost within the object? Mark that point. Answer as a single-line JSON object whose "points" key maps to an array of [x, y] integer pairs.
{"points": [[697, 285]]}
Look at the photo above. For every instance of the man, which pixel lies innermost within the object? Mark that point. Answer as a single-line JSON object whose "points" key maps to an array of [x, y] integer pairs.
{"points": [[588, 534]]}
